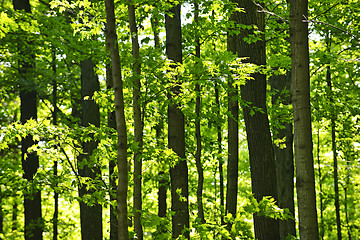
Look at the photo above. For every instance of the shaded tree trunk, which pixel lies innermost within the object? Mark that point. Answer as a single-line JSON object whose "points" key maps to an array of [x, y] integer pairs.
{"points": [[138, 124], [176, 131], [220, 160], [199, 191], [30, 160], [300, 90], [253, 95], [284, 156], [55, 170], [333, 143], [123, 232], [321, 223], [112, 163], [90, 216]]}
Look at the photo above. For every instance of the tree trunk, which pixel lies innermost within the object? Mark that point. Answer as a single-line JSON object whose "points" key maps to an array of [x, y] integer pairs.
{"points": [[220, 160], [55, 170], [253, 94], [90, 216], [233, 129], [176, 132], [30, 161], [138, 124], [284, 156], [321, 223], [123, 232], [112, 163], [300, 90], [199, 191]]}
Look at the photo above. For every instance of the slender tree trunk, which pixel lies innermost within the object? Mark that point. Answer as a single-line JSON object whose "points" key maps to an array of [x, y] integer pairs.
{"points": [[253, 94], [199, 167], [123, 232], [333, 141], [233, 138], [112, 163], [220, 160], [30, 160], [55, 173], [176, 132], [14, 226], [138, 124], [321, 224], [284, 157], [90, 216], [300, 90]]}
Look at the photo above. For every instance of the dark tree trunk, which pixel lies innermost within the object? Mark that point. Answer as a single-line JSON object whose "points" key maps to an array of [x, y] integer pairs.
{"points": [[138, 124], [90, 216], [253, 94], [321, 223], [176, 131], [233, 129], [284, 156], [112, 163], [1, 214], [55, 173], [199, 167], [300, 90], [30, 163], [123, 232], [220, 160]]}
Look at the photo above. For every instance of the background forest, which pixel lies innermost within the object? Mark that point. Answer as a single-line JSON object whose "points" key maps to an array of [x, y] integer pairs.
{"points": [[231, 119]]}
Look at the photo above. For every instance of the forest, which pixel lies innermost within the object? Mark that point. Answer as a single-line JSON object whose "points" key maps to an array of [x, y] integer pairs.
{"points": [[168, 119]]}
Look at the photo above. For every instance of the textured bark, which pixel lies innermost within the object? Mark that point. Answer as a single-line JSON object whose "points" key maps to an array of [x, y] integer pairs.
{"points": [[30, 160], [300, 90], [138, 124], [233, 129], [90, 216], [123, 232], [253, 94], [284, 157], [176, 132]]}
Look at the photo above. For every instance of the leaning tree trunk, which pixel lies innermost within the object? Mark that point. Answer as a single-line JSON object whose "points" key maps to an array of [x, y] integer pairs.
{"points": [[300, 90], [90, 216], [111, 35], [253, 95], [176, 131], [30, 160]]}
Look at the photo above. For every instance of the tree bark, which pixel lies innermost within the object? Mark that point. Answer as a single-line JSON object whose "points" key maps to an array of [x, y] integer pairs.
{"points": [[233, 129], [300, 90], [90, 216], [138, 124], [284, 156], [253, 94], [176, 132], [123, 233], [30, 160]]}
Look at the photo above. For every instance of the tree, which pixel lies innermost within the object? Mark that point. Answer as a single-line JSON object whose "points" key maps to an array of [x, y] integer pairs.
{"points": [[138, 123], [123, 232], [253, 97], [30, 160], [91, 216], [176, 130], [300, 90]]}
